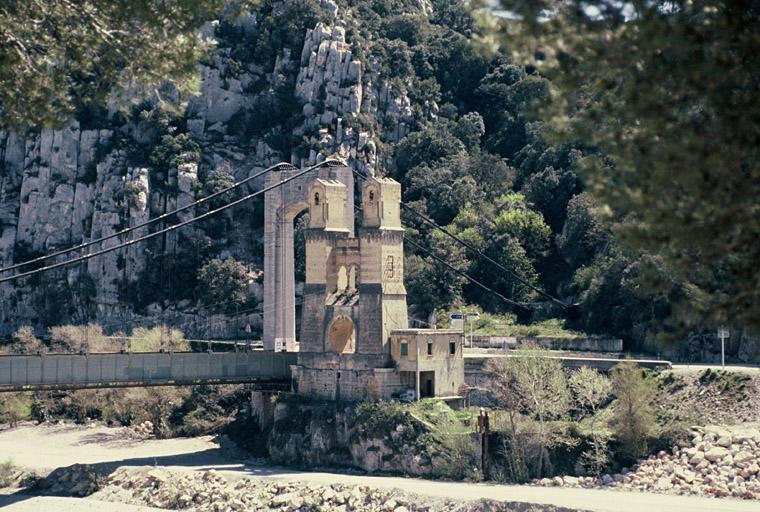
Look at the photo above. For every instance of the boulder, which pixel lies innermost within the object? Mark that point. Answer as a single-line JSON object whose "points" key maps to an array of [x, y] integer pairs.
{"points": [[570, 480], [717, 453]]}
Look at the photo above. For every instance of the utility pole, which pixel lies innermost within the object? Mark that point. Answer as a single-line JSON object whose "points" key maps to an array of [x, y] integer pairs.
{"points": [[417, 367], [723, 334]]}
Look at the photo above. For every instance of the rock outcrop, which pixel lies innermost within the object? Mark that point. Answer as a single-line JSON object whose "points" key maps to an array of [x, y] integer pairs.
{"points": [[321, 435], [59, 188]]}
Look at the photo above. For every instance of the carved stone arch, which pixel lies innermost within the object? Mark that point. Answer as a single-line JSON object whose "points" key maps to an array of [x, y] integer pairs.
{"points": [[282, 204]]}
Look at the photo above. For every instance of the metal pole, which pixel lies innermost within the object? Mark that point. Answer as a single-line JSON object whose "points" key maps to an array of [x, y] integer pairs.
{"points": [[723, 334], [722, 350]]}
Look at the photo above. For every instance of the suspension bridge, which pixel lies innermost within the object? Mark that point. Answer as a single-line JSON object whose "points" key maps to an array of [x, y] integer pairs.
{"points": [[270, 368]]}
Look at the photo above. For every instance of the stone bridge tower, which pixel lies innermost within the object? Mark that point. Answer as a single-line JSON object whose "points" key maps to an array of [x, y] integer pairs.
{"points": [[354, 293], [355, 342], [282, 206]]}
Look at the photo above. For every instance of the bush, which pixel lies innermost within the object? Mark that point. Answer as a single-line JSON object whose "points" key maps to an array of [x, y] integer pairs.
{"points": [[457, 457], [173, 151], [24, 342], [590, 390], [8, 473], [534, 385], [155, 339], [80, 338], [14, 407]]}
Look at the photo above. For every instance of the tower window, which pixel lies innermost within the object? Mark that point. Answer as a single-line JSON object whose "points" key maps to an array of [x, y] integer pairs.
{"points": [[452, 347], [371, 195], [404, 348], [430, 347], [316, 198]]}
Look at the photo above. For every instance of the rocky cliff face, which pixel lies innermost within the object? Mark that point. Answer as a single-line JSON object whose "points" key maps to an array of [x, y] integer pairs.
{"points": [[326, 435], [59, 188]]}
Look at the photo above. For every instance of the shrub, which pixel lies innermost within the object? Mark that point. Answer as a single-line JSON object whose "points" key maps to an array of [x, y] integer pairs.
{"points": [[8, 473], [14, 407], [158, 338], [590, 390], [533, 384], [457, 457], [24, 342], [78, 338]]}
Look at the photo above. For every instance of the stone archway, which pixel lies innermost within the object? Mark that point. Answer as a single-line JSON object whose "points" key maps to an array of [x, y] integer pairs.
{"points": [[342, 336], [281, 206]]}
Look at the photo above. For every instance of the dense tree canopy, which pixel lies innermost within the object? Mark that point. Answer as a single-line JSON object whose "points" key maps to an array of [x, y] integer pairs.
{"points": [[667, 92]]}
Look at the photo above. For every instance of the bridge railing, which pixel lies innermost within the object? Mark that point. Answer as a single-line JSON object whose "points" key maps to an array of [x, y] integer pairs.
{"points": [[75, 371]]}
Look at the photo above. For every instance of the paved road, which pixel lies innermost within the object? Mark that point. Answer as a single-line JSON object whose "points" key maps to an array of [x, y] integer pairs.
{"points": [[66, 445], [689, 368], [56, 504], [582, 499]]}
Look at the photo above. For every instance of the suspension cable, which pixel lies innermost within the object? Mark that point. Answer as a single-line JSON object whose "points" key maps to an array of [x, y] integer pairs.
{"points": [[146, 223], [479, 253], [460, 272], [467, 276], [328, 162]]}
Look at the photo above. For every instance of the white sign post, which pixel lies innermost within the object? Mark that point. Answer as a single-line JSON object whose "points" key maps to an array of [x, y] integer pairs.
{"points": [[723, 334]]}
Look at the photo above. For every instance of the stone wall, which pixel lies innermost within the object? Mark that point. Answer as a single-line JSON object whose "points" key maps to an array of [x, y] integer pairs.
{"points": [[345, 377]]}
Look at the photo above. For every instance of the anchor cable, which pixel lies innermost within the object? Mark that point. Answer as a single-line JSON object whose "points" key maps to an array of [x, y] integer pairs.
{"points": [[329, 162], [146, 223]]}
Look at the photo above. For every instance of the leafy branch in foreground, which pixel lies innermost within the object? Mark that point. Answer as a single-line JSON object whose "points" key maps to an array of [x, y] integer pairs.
{"points": [[666, 91], [57, 56]]}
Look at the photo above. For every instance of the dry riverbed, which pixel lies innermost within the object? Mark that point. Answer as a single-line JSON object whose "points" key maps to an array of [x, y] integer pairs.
{"points": [[124, 473]]}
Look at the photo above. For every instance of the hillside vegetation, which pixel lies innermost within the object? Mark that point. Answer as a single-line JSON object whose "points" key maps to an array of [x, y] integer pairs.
{"points": [[420, 101]]}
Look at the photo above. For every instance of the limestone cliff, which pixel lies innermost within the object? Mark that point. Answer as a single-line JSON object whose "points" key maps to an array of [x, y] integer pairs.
{"points": [[93, 177]]}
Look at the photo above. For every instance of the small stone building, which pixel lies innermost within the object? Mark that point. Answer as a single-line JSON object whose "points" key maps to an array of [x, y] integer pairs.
{"points": [[354, 324]]}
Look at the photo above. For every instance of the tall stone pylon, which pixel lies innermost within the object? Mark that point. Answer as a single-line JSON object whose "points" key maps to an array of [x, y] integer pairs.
{"points": [[281, 206]]}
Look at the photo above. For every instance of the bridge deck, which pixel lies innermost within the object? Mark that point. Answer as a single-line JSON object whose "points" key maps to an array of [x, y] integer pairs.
{"points": [[77, 371]]}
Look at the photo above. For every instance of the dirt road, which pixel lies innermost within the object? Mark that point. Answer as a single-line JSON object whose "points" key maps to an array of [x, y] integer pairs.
{"points": [[48, 446]]}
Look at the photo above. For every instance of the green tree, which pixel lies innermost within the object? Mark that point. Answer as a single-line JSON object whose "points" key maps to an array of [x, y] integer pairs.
{"points": [[215, 181], [57, 56], [534, 384], [513, 235], [429, 283], [667, 91], [223, 282], [583, 235], [617, 297], [633, 420], [590, 389], [174, 150]]}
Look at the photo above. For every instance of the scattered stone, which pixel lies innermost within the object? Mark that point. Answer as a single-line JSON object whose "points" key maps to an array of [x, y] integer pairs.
{"points": [[707, 467]]}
